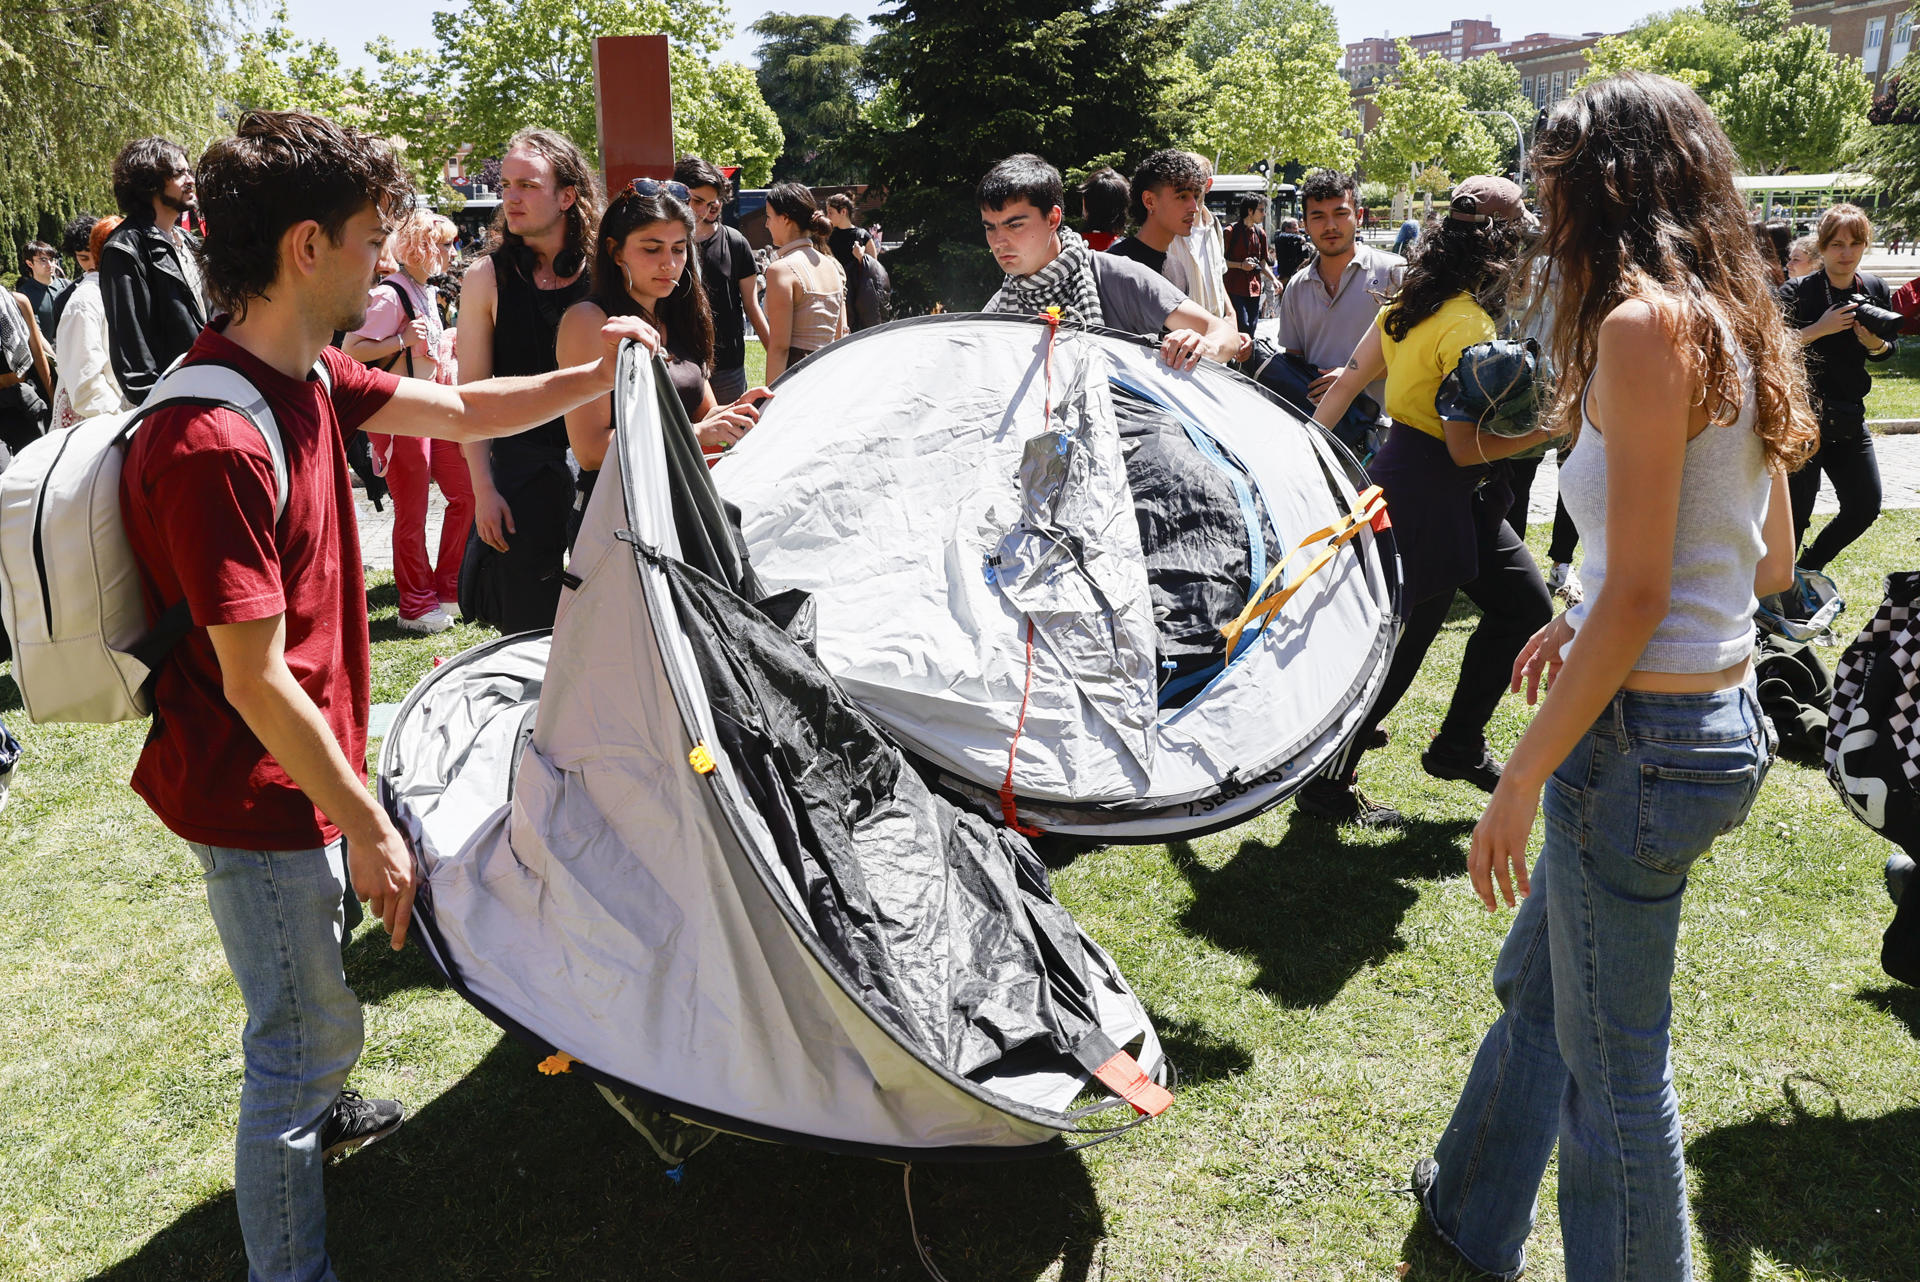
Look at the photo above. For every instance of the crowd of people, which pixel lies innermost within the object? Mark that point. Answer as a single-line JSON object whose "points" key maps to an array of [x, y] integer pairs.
{"points": [[1696, 400]]}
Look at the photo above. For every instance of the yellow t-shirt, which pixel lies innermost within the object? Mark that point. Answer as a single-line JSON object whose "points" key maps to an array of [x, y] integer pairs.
{"points": [[1419, 363]]}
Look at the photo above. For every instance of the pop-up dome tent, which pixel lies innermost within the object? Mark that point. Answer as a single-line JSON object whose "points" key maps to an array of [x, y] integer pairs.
{"points": [[1024, 542], [661, 843]]}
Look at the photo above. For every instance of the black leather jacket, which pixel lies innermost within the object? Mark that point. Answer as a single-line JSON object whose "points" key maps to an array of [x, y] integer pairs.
{"points": [[153, 315]]}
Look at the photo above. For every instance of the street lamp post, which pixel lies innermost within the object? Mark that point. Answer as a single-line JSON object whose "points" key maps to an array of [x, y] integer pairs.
{"points": [[1519, 140]]}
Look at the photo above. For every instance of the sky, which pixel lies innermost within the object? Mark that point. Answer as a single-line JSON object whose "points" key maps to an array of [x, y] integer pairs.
{"points": [[349, 24]]}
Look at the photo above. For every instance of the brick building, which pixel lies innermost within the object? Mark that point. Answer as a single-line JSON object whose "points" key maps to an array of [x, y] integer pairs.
{"points": [[1550, 67], [1373, 59], [1878, 32]]}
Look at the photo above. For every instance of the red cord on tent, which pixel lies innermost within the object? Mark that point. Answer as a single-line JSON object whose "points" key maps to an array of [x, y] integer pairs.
{"points": [[1009, 810]]}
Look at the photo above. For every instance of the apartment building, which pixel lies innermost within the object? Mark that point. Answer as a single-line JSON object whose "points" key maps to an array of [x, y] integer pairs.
{"points": [[1878, 32], [1374, 59]]}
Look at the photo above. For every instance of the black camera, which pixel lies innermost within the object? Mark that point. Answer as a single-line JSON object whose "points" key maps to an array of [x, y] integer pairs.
{"points": [[1882, 322]]}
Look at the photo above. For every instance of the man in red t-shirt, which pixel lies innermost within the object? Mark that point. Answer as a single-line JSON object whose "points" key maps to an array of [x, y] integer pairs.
{"points": [[258, 752]]}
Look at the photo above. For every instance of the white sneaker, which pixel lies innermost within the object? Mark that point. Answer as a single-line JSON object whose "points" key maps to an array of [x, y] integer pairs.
{"points": [[452, 609], [1565, 584], [435, 620]]}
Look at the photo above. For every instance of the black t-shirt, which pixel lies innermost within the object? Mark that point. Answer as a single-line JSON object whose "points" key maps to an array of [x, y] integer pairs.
{"points": [[840, 243], [1140, 252], [725, 260], [1290, 250], [1837, 363]]}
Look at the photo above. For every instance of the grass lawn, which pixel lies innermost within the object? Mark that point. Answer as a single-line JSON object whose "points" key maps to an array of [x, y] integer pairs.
{"points": [[1320, 995], [1896, 384]]}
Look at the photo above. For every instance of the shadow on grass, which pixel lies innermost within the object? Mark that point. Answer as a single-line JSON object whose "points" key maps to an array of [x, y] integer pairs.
{"points": [[514, 1175], [1199, 1054], [1897, 1000], [1829, 1195], [1310, 911], [10, 700], [383, 596], [375, 972]]}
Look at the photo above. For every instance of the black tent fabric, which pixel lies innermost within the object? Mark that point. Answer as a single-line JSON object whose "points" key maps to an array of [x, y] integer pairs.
{"points": [[945, 922], [1205, 534]]}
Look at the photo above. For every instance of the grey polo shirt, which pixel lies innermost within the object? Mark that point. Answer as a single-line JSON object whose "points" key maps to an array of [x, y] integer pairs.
{"points": [[1327, 329]]}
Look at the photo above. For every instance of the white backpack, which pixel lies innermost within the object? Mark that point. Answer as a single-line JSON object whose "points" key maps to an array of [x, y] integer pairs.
{"points": [[69, 586]]}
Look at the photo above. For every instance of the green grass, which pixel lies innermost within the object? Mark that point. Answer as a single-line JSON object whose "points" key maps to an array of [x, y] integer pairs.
{"points": [[1321, 996], [1896, 385]]}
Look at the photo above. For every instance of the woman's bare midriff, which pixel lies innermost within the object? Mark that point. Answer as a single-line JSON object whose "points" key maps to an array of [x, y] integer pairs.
{"points": [[1688, 682]]}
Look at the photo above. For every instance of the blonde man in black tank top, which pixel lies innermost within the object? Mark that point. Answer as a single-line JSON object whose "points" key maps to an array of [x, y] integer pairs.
{"points": [[511, 304]]}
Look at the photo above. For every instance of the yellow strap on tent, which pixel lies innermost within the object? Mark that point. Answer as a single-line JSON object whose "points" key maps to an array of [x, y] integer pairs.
{"points": [[1367, 510]]}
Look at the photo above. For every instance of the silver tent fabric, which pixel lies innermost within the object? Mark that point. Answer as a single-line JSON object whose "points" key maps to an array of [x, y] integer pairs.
{"points": [[890, 472], [587, 885]]}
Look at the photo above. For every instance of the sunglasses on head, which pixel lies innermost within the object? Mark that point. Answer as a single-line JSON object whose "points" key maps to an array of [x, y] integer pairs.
{"points": [[652, 187]]}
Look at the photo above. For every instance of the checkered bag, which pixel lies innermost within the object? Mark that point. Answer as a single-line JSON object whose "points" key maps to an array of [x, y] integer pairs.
{"points": [[1873, 742]]}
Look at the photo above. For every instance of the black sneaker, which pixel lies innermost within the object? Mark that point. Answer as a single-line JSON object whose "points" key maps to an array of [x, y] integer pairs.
{"points": [[1426, 1173], [356, 1122], [1481, 769], [1899, 875], [1345, 804]]}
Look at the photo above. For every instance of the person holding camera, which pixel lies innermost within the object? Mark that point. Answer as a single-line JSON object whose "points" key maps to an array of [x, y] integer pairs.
{"points": [[1844, 318]]}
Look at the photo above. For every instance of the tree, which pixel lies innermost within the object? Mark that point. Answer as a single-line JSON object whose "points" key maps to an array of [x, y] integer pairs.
{"points": [[811, 74], [1892, 155], [1491, 85], [1279, 96], [1424, 126], [968, 84], [1699, 47], [1221, 26], [1793, 104], [81, 78], [521, 63], [274, 70]]}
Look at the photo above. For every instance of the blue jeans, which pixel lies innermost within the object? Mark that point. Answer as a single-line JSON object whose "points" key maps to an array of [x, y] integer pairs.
{"points": [[1580, 1053], [728, 385], [280, 920]]}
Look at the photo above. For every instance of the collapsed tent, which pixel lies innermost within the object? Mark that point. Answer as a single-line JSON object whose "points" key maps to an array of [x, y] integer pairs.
{"points": [[661, 841], [1024, 542]]}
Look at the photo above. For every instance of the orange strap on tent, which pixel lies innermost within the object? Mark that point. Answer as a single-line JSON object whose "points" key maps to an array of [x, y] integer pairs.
{"points": [[1369, 510], [1124, 1077]]}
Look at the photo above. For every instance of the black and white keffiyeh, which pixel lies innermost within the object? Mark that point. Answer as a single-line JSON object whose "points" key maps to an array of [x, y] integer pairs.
{"points": [[1066, 283]]}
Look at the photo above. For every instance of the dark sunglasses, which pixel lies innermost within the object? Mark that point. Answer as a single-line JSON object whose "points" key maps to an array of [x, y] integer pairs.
{"points": [[651, 187]]}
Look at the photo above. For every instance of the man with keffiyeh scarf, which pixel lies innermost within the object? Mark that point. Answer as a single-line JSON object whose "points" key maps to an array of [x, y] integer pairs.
{"points": [[1049, 265]]}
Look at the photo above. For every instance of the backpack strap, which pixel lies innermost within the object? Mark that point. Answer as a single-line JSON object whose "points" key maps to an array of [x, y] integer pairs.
{"points": [[406, 309], [220, 385]]}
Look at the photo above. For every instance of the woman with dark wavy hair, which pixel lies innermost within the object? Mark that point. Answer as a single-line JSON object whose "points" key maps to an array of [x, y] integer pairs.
{"points": [[643, 265], [1686, 394], [1447, 497]]}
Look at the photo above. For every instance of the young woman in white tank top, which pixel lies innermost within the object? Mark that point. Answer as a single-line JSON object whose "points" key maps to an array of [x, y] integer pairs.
{"points": [[1689, 396]]}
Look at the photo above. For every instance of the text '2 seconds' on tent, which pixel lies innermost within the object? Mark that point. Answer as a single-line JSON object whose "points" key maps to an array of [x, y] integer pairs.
{"points": [[1024, 542], [662, 841]]}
